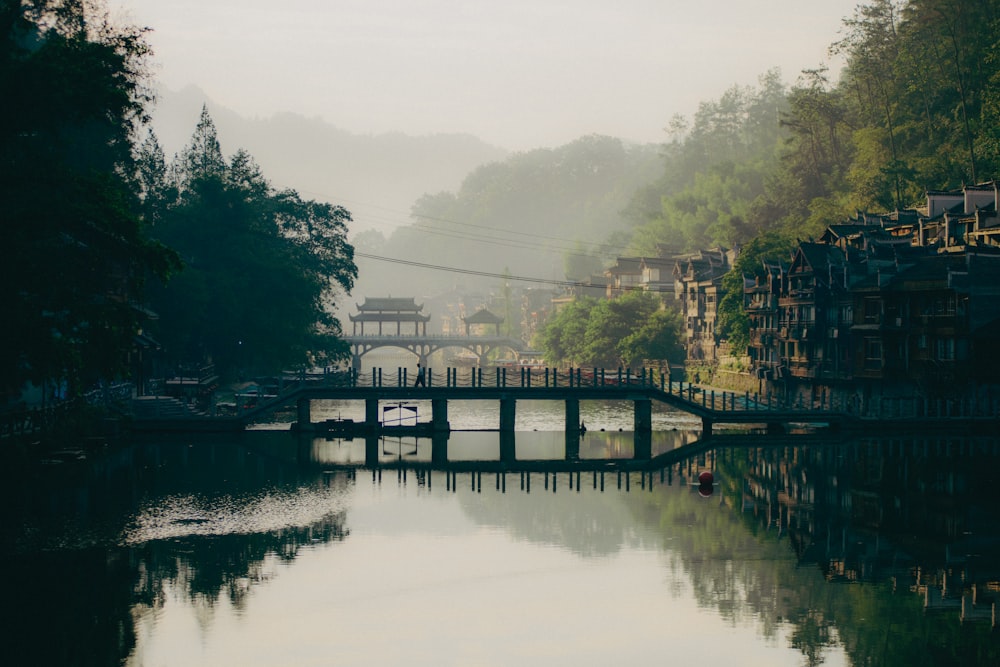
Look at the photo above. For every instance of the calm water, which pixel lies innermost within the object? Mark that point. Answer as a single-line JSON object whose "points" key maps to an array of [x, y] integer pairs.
{"points": [[269, 550]]}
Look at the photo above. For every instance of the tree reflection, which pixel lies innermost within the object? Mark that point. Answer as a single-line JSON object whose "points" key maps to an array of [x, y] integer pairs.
{"points": [[871, 546], [915, 520]]}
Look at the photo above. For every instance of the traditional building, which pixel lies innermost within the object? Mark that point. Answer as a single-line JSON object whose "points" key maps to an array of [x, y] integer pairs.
{"points": [[905, 304], [626, 274], [481, 321], [697, 281], [388, 315]]}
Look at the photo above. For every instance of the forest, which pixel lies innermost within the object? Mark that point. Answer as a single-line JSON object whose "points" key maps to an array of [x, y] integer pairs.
{"points": [[108, 246], [914, 110]]}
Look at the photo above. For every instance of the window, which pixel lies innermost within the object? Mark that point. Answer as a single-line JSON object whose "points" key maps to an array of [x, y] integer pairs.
{"points": [[873, 311], [847, 315], [944, 349], [873, 353]]}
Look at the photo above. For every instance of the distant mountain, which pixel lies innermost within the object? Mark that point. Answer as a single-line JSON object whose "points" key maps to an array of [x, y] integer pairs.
{"points": [[376, 177]]}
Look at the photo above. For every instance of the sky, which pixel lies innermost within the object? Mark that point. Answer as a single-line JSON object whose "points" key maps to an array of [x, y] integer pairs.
{"points": [[519, 74]]}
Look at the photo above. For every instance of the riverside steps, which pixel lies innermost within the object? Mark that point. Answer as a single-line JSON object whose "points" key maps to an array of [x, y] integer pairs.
{"points": [[508, 386]]}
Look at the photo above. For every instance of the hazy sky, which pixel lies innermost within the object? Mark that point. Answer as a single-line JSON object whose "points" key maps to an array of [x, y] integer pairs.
{"points": [[517, 73]]}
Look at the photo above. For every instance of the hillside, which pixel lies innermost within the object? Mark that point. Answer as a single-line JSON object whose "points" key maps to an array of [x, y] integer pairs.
{"points": [[377, 177]]}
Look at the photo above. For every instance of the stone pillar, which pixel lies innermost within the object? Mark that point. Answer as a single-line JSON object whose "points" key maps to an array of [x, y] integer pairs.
{"points": [[508, 452], [643, 415], [643, 446], [439, 415], [304, 414], [572, 446], [572, 415], [439, 448], [371, 414], [371, 450], [508, 412]]}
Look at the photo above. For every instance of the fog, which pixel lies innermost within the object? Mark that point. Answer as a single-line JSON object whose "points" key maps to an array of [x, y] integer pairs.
{"points": [[518, 74], [373, 104]]}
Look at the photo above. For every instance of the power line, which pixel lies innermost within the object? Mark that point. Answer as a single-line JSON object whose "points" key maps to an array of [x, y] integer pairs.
{"points": [[502, 276], [495, 240]]}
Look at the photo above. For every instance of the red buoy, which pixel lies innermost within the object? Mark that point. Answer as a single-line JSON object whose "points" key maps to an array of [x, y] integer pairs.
{"points": [[705, 478]]}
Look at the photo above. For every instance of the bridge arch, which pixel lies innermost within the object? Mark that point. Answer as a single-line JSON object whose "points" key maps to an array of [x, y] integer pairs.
{"points": [[423, 346]]}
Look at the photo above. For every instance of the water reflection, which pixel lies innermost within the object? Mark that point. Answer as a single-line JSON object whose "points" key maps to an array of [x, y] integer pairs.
{"points": [[100, 554]]}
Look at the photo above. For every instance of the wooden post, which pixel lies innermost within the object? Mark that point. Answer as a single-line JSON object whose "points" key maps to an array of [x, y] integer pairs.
{"points": [[572, 415], [304, 414], [371, 414], [439, 414], [508, 413], [643, 415]]}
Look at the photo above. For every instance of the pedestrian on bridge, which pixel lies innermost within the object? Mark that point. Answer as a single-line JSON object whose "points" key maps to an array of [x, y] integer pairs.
{"points": [[421, 380]]}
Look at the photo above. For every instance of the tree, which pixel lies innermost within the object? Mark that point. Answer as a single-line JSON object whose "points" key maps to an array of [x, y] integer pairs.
{"points": [[75, 255], [732, 322], [659, 338], [564, 335], [612, 322], [611, 333], [263, 268]]}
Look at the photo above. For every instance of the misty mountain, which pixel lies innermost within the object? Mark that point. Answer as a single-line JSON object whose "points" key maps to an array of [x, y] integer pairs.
{"points": [[376, 177], [546, 215], [447, 201]]}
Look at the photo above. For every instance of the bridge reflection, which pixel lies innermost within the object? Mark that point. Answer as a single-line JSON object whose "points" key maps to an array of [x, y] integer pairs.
{"points": [[498, 451], [589, 458]]}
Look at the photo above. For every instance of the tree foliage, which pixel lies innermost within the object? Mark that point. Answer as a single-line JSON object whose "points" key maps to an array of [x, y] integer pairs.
{"points": [[76, 256], [625, 331], [732, 323], [262, 267]]}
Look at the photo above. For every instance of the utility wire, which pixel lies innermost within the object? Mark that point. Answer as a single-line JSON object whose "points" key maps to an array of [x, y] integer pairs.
{"points": [[502, 276], [396, 225]]}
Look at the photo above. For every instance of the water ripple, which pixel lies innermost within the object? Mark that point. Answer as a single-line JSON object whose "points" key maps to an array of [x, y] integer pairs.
{"points": [[271, 510]]}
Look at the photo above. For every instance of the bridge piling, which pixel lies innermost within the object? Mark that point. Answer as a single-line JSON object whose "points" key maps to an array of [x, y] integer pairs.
{"points": [[439, 415], [303, 414], [643, 415], [572, 423], [508, 413]]}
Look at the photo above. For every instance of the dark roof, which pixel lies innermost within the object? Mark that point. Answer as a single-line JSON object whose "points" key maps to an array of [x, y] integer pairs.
{"points": [[483, 316], [389, 317], [396, 304], [626, 265]]}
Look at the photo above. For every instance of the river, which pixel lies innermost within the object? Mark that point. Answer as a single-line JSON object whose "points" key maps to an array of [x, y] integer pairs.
{"points": [[265, 549]]}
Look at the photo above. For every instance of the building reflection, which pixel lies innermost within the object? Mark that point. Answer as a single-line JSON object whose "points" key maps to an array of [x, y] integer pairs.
{"points": [[918, 513]]}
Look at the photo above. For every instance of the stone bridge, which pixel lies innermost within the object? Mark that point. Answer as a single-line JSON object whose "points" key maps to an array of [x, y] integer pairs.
{"points": [[424, 345]]}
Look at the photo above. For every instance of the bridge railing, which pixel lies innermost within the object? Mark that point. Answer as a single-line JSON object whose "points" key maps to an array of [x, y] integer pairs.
{"points": [[527, 377]]}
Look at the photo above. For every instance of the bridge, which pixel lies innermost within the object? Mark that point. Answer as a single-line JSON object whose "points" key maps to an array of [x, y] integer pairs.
{"points": [[569, 386], [425, 345]]}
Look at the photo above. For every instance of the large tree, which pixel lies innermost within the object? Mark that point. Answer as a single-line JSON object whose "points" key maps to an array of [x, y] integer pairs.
{"points": [[262, 268], [75, 256], [625, 331]]}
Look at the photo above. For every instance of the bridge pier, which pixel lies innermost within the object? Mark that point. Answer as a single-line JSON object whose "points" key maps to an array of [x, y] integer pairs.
{"points": [[706, 427], [371, 450], [643, 446], [572, 446], [508, 452], [439, 414], [508, 412], [303, 413], [439, 448], [371, 414], [572, 415], [643, 415]]}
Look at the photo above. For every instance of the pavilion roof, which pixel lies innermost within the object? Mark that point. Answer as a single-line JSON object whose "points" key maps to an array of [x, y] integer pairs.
{"points": [[483, 316], [394, 304]]}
